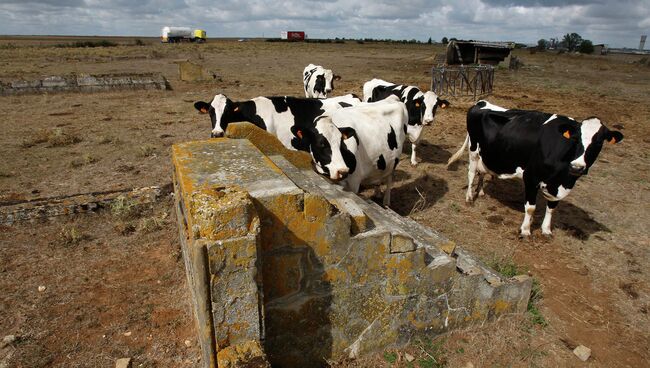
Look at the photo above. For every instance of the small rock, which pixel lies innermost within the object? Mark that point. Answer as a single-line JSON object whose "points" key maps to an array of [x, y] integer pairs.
{"points": [[7, 340], [42, 288], [409, 358], [188, 343], [597, 308], [582, 352], [123, 363], [127, 334], [469, 365]]}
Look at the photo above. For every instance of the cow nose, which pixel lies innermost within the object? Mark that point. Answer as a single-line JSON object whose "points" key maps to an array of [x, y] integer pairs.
{"points": [[216, 135], [576, 170], [341, 174]]}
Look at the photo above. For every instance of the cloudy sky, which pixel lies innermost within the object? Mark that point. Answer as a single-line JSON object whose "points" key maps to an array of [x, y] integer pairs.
{"points": [[618, 23]]}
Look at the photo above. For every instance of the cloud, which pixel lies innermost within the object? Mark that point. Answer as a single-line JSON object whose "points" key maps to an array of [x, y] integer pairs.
{"points": [[616, 22]]}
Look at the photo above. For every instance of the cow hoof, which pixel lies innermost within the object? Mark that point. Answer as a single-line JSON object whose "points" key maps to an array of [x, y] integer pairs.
{"points": [[548, 235], [481, 193], [523, 236]]}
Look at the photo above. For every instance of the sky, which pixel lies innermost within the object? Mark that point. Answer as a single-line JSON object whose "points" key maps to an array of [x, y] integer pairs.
{"points": [[618, 23]]}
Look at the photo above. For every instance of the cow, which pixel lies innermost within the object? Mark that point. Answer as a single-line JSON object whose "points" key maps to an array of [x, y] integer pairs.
{"points": [[277, 114], [421, 106], [318, 81], [359, 144], [550, 152]]}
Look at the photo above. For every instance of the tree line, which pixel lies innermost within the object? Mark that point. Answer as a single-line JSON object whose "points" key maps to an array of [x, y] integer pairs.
{"points": [[571, 42]]}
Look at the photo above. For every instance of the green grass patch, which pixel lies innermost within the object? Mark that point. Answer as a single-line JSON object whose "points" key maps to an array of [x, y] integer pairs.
{"points": [[390, 357]]}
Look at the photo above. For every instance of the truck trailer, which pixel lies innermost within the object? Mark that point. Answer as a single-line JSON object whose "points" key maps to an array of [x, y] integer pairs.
{"points": [[182, 34]]}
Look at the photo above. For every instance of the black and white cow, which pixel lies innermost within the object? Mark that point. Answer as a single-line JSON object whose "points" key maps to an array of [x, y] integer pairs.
{"points": [[277, 115], [421, 106], [364, 142], [318, 81], [549, 152]]}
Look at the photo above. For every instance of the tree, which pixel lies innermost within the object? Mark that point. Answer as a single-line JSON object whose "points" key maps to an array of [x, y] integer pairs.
{"points": [[429, 42], [542, 44], [586, 47], [572, 41], [445, 41]]}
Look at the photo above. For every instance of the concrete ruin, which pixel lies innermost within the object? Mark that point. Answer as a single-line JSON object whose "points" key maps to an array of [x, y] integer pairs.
{"points": [[289, 270], [85, 83]]}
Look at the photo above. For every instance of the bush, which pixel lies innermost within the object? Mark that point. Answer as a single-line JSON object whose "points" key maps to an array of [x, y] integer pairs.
{"points": [[586, 47]]}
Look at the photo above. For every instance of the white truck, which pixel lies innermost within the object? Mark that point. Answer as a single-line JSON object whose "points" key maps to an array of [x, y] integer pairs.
{"points": [[182, 34]]}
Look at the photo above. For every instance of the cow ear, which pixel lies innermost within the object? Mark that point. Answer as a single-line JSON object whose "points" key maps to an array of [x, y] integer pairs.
{"points": [[443, 104], [337, 77], [566, 130], [202, 107], [614, 136], [348, 132], [296, 131]]}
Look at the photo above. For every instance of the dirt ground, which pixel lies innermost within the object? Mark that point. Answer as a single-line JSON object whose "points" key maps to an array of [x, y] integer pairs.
{"points": [[115, 284]]}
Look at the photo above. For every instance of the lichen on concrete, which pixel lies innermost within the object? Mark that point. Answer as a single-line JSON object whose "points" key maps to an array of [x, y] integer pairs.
{"points": [[311, 272]]}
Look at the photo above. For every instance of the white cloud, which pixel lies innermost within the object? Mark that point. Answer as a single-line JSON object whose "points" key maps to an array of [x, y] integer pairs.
{"points": [[616, 22]]}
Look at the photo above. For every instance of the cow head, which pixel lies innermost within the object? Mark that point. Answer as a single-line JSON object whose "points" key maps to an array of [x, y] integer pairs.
{"points": [[324, 83], [332, 149], [219, 107], [431, 104], [585, 140]]}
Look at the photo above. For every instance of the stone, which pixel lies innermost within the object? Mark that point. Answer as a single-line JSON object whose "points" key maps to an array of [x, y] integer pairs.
{"points": [[128, 333], [188, 343], [409, 358], [582, 352], [123, 363], [7, 340], [55, 81], [248, 354], [42, 288]]}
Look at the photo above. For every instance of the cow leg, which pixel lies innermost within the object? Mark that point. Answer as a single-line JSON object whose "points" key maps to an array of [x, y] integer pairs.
{"points": [[479, 185], [529, 208], [471, 172], [389, 185], [546, 224], [413, 160]]}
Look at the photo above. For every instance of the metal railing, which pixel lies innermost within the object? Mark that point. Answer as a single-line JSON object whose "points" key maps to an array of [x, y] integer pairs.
{"points": [[462, 81]]}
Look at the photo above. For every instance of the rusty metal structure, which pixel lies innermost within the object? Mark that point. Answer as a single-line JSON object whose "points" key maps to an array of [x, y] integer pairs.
{"points": [[462, 81], [468, 68]]}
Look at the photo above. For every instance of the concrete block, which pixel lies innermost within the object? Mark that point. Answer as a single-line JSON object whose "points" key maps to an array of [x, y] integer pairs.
{"points": [[310, 270], [54, 81]]}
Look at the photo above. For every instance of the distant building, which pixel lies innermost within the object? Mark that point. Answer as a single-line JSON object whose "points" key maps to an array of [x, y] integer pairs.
{"points": [[292, 35], [600, 49]]}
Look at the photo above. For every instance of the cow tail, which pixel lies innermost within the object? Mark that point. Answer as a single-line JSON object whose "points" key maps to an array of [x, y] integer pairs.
{"points": [[457, 155]]}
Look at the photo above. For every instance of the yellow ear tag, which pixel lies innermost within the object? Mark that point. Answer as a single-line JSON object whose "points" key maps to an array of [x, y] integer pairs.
{"points": [[612, 140], [299, 134], [203, 110], [567, 135], [236, 109], [417, 104], [443, 106]]}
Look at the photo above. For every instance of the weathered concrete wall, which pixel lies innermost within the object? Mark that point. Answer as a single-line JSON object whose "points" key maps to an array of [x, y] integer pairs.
{"points": [[85, 83], [278, 257]]}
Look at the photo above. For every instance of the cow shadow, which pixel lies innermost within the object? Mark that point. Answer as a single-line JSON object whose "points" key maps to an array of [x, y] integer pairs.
{"points": [[428, 152], [577, 222], [417, 195]]}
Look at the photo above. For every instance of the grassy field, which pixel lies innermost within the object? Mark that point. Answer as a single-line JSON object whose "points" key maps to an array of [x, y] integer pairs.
{"points": [[115, 283]]}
